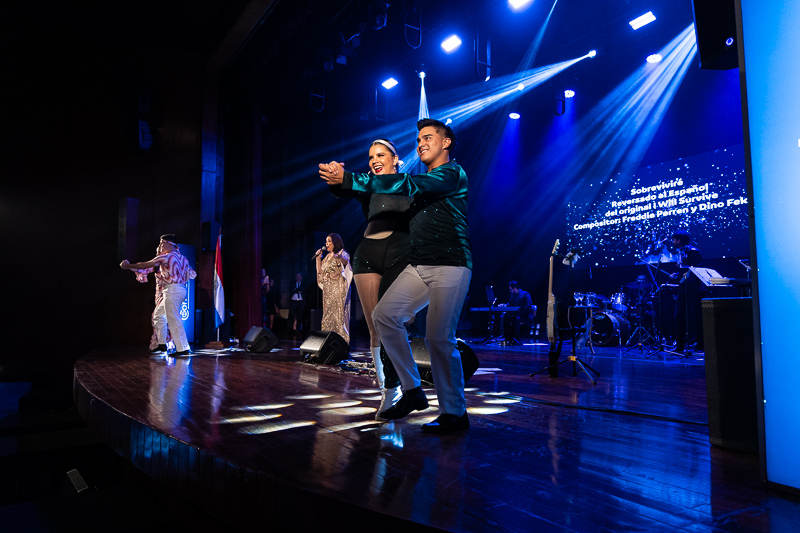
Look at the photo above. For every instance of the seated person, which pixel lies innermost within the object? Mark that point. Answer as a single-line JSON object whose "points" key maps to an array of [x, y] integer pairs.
{"points": [[521, 320]]}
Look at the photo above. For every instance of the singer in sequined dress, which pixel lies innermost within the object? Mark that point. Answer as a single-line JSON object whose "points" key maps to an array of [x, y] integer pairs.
{"points": [[334, 275]]}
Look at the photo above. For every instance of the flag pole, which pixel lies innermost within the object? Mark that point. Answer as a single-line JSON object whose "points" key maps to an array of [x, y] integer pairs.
{"points": [[219, 294]]}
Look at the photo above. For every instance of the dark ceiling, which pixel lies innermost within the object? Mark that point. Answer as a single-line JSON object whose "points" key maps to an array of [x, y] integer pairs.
{"points": [[297, 64]]}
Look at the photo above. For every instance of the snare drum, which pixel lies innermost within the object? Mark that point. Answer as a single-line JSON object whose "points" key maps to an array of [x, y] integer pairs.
{"points": [[610, 328], [619, 302]]}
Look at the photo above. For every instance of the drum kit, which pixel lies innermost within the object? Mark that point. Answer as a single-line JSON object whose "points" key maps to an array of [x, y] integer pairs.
{"points": [[624, 317]]}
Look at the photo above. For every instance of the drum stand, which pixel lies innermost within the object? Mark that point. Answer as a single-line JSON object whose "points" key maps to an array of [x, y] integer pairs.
{"points": [[641, 332], [587, 310]]}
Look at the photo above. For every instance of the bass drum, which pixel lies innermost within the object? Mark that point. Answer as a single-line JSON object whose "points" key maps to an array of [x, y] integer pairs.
{"points": [[610, 328]]}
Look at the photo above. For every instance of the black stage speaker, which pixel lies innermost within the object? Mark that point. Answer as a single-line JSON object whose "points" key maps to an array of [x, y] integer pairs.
{"points": [[731, 373], [715, 28], [469, 361], [324, 347], [259, 340]]}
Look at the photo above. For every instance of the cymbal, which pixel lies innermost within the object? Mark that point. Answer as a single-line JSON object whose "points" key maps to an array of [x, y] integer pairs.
{"points": [[639, 285]]}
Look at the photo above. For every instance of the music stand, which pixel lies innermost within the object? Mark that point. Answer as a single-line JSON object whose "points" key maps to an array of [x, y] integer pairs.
{"points": [[492, 300]]}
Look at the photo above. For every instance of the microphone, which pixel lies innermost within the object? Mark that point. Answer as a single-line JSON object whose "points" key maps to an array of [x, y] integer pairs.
{"points": [[319, 253]]}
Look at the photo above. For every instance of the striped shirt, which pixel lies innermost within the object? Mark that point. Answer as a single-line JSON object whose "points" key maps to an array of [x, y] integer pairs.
{"points": [[175, 269]]}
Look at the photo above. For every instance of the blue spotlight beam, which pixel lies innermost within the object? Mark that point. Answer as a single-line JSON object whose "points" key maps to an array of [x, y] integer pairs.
{"points": [[533, 49], [615, 135], [470, 103], [483, 97]]}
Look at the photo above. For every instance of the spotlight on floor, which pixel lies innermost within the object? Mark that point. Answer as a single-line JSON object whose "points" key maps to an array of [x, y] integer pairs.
{"points": [[644, 20], [569, 93], [514, 116], [451, 44], [388, 84], [654, 58], [518, 5]]}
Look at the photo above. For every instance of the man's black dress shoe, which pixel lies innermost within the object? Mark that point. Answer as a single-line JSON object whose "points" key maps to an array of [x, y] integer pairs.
{"points": [[182, 353], [159, 349], [412, 400], [446, 424]]}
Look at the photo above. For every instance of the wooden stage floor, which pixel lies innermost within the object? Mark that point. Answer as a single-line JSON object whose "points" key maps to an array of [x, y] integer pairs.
{"points": [[262, 440]]}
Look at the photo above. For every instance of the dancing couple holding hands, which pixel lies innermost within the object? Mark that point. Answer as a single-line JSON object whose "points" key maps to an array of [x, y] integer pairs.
{"points": [[431, 259]]}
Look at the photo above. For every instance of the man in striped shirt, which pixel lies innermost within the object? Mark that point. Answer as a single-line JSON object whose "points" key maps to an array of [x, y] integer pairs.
{"points": [[173, 273]]}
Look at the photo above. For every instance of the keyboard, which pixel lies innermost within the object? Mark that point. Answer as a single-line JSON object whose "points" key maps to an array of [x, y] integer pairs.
{"points": [[729, 281]]}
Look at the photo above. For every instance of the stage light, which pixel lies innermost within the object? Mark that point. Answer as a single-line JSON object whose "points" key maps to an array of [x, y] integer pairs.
{"points": [[569, 93], [518, 5], [654, 58], [521, 87], [592, 53], [338, 405], [422, 74], [514, 116], [260, 429], [448, 121], [729, 41], [487, 410], [488, 77], [451, 44], [250, 418], [644, 20], [388, 84], [350, 411]]}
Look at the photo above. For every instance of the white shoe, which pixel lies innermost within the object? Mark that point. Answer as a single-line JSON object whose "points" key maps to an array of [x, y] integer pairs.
{"points": [[389, 397]]}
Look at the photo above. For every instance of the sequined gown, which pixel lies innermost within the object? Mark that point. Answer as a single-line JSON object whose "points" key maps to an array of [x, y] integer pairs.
{"points": [[334, 280]]}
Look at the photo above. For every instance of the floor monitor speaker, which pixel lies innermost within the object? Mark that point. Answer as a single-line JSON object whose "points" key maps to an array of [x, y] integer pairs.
{"points": [[469, 361], [259, 340], [324, 347]]}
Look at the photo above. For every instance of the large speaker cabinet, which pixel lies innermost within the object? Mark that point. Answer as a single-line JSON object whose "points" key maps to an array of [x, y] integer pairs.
{"points": [[715, 29], [731, 373]]}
